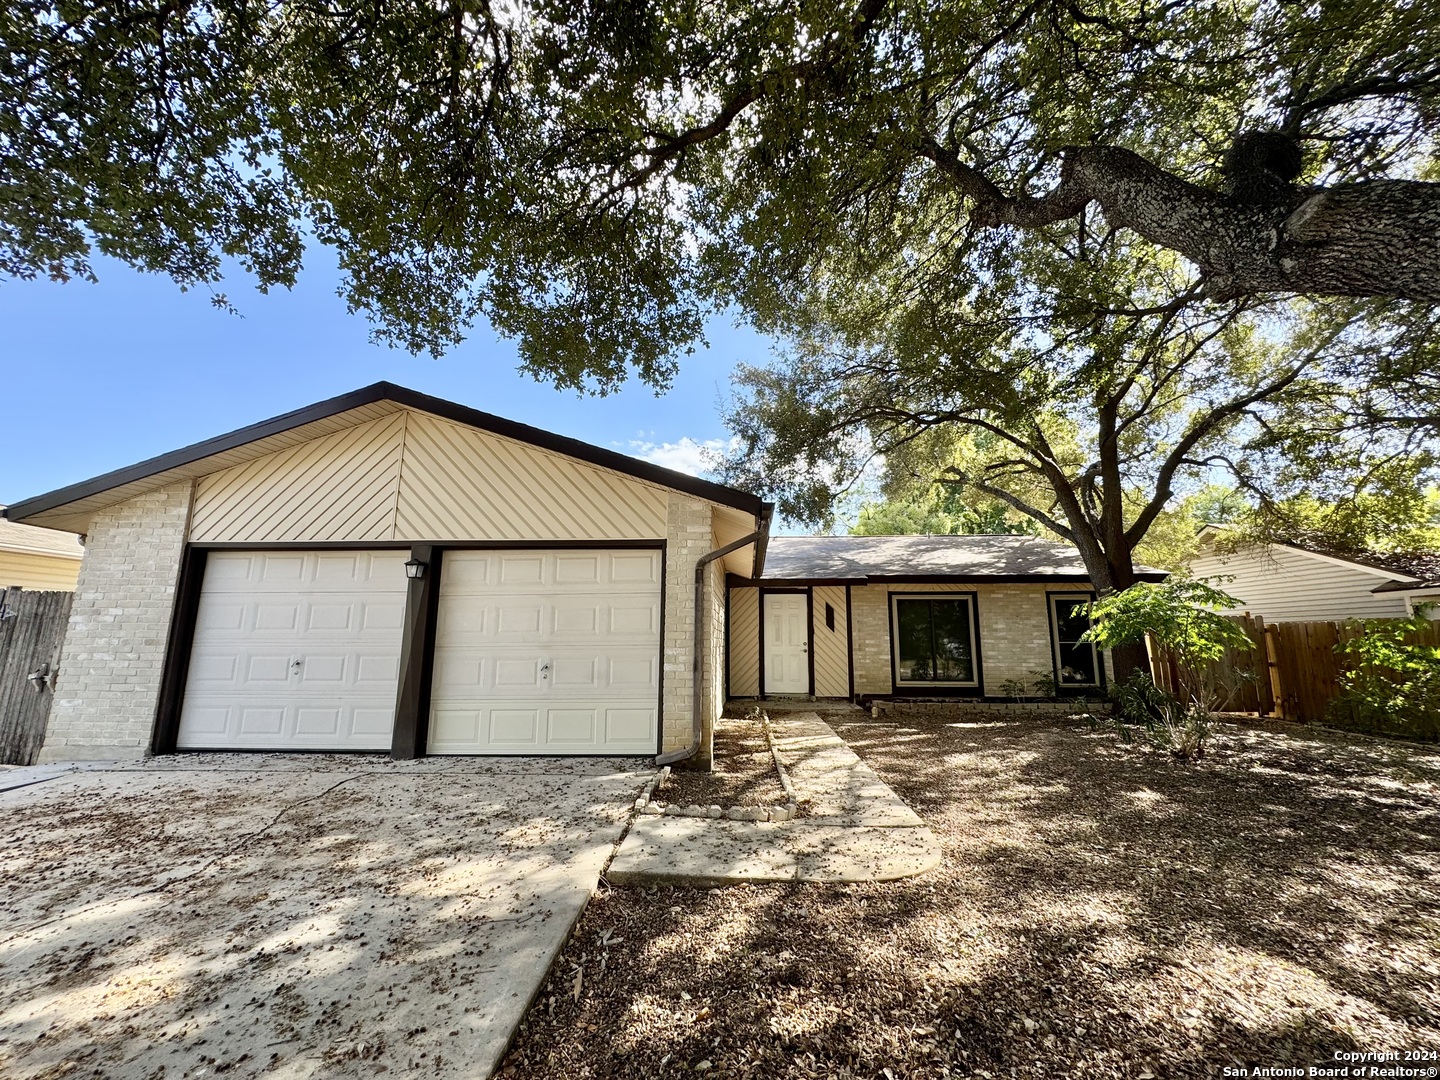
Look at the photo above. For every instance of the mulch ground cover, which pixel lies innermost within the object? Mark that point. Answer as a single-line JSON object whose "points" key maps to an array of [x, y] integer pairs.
{"points": [[1102, 911], [744, 772]]}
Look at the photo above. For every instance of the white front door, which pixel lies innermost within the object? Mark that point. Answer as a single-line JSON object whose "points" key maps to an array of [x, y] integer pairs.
{"points": [[295, 650], [787, 643], [547, 652]]}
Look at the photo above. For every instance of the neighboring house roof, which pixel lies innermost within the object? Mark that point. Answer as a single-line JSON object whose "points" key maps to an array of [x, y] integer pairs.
{"points": [[1403, 571], [71, 505], [29, 540], [989, 557]]}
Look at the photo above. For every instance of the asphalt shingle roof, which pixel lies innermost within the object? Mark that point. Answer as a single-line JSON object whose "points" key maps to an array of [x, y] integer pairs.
{"points": [[856, 558]]}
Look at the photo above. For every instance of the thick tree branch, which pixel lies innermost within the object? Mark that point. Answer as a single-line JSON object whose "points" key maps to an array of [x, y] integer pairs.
{"points": [[1377, 238]]}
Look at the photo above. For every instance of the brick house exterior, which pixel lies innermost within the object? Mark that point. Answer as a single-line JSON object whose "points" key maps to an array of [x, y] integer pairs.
{"points": [[387, 571], [1011, 596], [178, 590]]}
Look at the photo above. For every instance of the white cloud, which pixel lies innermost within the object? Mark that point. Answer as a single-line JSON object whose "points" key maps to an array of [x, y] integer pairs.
{"points": [[686, 455]]}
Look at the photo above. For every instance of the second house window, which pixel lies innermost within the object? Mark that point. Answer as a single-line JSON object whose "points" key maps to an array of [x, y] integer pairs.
{"points": [[934, 640]]}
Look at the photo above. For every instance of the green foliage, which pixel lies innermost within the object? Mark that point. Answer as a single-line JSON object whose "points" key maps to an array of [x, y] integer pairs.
{"points": [[1177, 727], [1044, 683], [595, 178], [1014, 688], [1391, 679], [1390, 510], [1181, 616], [938, 510]]}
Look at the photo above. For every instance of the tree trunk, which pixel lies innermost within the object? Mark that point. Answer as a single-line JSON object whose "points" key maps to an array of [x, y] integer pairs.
{"points": [[1110, 572]]}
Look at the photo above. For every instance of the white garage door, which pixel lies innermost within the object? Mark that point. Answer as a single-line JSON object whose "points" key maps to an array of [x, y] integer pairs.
{"points": [[547, 652], [295, 650]]}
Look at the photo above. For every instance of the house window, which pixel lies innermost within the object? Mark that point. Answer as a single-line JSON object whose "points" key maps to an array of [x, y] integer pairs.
{"points": [[1077, 663], [934, 640]]}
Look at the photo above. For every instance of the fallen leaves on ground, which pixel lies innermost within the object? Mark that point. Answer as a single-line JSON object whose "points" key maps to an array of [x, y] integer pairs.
{"points": [[1101, 911]]}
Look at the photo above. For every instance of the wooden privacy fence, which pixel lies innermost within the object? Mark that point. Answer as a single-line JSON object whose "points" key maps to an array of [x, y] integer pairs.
{"points": [[32, 626], [1291, 671]]}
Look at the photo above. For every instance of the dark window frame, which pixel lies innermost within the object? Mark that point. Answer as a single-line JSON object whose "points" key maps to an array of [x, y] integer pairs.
{"points": [[972, 599], [1063, 688]]}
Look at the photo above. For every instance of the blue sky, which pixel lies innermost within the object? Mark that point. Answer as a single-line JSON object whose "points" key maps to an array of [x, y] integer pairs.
{"points": [[98, 376]]}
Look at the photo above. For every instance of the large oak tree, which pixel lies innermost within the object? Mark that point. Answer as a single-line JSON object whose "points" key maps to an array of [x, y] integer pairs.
{"points": [[594, 177]]}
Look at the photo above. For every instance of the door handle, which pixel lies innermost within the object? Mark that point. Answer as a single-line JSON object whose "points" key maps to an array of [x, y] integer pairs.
{"points": [[545, 670], [804, 646]]}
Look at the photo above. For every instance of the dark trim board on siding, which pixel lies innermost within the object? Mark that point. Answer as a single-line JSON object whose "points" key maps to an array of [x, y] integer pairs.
{"points": [[726, 661], [176, 667], [417, 657], [850, 639], [406, 398], [664, 546], [810, 637]]}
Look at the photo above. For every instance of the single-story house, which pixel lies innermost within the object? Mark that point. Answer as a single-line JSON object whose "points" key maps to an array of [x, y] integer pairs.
{"points": [[388, 571], [41, 559], [1285, 582], [865, 617]]}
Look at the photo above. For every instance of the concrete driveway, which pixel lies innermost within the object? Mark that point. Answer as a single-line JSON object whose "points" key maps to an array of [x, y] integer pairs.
{"points": [[292, 916]]}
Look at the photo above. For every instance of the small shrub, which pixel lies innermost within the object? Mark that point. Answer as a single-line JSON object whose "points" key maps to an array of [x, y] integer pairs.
{"points": [[1014, 688], [1045, 684], [1180, 617], [1178, 727], [1392, 679]]}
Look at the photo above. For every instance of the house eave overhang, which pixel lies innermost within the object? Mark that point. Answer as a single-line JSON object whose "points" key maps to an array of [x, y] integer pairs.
{"points": [[53, 503]]}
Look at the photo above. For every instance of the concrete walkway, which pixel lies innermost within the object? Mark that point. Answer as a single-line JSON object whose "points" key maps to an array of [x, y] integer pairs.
{"points": [[852, 827]]}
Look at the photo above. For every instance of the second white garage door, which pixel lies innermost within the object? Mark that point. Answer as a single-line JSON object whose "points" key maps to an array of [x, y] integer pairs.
{"points": [[547, 652]]}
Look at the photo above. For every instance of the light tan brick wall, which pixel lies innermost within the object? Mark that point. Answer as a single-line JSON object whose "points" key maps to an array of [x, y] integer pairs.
{"points": [[1014, 632], [114, 651], [689, 535]]}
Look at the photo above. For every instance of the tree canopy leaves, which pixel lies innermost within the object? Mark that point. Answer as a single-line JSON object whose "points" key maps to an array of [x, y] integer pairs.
{"points": [[594, 178]]}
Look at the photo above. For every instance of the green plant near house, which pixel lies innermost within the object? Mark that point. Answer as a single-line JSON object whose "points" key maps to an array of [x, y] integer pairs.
{"points": [[1391, 678], [1044, 684], [1181, 618], [1014, 688]]}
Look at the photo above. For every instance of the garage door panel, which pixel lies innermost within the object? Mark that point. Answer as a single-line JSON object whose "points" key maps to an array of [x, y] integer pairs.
{"points": [[521, 570], [295, 650], [577, 570], [628, 725], [634, 569], [547, 652], [573, 727]]}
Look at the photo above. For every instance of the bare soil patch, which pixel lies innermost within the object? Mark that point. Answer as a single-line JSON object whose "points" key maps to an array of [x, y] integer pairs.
{"points": [[744, 772], [1102, 911]]}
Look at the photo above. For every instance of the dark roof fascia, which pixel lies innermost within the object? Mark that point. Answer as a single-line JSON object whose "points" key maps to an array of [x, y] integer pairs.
{"points": [[1406, 586], [386, 391]]}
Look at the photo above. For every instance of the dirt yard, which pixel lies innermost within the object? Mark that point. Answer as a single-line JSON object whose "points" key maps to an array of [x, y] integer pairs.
{"points": [[744, 773], [1102, 911]]}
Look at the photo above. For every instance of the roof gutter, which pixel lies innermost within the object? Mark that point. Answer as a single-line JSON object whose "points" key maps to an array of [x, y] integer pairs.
{"points": [[697, 664]]}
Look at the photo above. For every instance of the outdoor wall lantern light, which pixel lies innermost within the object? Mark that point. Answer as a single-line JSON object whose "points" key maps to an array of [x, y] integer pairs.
{"points": [[414, 569]]}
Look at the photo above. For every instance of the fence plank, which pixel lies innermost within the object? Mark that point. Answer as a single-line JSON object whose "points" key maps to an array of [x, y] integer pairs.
{"points": [[1296, 667], [30, 641]]}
